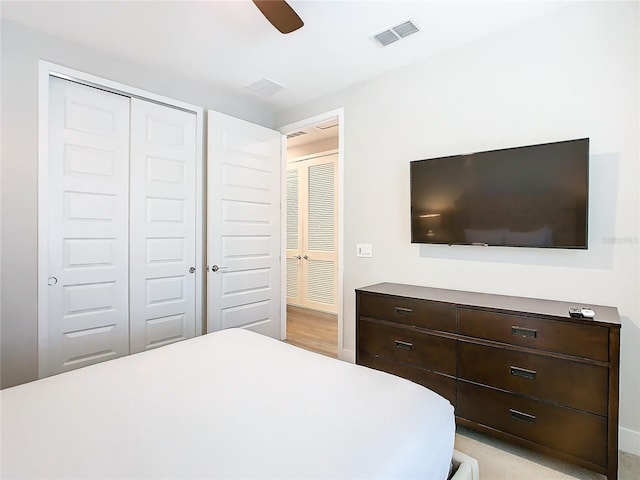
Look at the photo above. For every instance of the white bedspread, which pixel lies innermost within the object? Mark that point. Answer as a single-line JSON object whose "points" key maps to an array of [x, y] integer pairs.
{"points": [[231, 404]]}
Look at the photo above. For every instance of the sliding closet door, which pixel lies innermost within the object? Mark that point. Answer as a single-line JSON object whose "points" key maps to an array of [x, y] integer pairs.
{"points": [[87, 228], [163, 213]]}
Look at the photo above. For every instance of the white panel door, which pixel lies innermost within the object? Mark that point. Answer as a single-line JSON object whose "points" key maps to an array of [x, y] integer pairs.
{"points": [[243, 225], [88, 241], [163, 213]]}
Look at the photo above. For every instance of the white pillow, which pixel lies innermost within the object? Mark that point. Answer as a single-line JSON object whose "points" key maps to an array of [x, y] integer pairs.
{"points": [[490, 237], [536, 238]]}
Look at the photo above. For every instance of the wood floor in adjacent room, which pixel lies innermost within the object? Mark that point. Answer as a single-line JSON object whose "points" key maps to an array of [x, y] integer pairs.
{"points": [[312, 330]]}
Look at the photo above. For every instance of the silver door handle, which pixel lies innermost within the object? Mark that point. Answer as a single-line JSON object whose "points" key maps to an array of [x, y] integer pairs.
{"points": [[192, 270], [52, 281], [215, 268]]}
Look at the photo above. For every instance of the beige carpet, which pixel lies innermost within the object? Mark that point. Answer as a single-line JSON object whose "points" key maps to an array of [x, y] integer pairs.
{"points": [[501, 461]]}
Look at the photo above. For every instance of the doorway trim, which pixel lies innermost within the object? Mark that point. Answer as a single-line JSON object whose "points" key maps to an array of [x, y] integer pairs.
{"points": [[286, 129], [45, 71]]}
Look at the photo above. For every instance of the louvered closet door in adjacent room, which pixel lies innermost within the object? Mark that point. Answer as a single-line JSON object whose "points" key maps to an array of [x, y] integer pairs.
{"points": [[294, 238], [312, 257], [87, 227]]}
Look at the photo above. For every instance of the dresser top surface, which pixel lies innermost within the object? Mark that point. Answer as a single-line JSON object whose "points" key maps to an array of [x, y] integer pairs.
{"points": [[549, 308]]}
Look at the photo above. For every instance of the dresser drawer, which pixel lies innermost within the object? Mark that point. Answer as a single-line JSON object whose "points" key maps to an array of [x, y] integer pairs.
{"points": [[430, 352], [574, 384], [587, 341], [410, 311], [441, 384], [582, 435]]}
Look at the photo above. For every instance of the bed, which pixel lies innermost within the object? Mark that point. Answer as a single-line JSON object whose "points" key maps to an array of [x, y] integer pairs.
{"points": [[229, 404]]}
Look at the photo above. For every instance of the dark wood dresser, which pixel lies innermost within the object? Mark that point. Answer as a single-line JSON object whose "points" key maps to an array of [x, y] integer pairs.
{"points": [[519, 369]]}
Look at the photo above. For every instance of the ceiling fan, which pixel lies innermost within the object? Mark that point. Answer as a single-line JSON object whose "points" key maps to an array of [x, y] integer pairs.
{"points": [[280, 14]]}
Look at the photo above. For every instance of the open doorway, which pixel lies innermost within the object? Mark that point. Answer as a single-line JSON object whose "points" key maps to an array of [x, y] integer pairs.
{"points": [[312, 237]]}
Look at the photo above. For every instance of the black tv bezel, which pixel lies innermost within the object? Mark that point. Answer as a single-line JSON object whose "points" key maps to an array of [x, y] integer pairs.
{"points": [[554, 247]]}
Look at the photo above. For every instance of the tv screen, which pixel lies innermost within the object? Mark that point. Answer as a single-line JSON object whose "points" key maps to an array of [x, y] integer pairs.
{"points": [[532, 196]]}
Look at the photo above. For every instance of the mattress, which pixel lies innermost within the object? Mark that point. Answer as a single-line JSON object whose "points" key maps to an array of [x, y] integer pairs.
{"points": [[229, 404]]}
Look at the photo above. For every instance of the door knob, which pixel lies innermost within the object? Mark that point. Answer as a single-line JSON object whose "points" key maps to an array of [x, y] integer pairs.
{"points": [[306, 257], [215, 268], [52, 281], [298, 257], [192, 270]]}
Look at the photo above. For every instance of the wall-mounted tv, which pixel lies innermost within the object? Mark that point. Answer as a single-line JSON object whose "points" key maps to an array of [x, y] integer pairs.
{"points": [[531, 196]]}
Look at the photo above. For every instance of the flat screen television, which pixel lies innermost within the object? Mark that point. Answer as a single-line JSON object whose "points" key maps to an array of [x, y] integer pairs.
{"points": [[531, 196]]}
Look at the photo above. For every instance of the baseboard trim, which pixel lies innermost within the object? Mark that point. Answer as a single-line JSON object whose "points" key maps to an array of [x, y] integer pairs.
{"points": [[347, 355], [629, 441]]}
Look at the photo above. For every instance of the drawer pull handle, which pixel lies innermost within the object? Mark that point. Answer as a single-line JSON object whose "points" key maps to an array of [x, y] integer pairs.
{"points": [[523, 417], [524, 332], [404, 345], [523, 372], [403, 311]]}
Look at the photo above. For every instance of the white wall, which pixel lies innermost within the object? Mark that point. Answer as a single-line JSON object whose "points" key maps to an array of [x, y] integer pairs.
{"points": [[21, 50], [569, 75], [310, 148]]}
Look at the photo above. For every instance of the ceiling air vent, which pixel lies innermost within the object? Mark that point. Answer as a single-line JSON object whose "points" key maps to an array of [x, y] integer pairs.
{"points": [[405, 29], [296, 134], [395, 33], [385, 38], [265, 87]]}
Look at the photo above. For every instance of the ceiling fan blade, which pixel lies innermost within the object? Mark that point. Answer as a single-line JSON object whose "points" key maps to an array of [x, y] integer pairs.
{"points": [[280, 14]]}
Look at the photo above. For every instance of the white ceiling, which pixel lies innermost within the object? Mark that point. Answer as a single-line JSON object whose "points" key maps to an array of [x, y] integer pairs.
{"points": [[230, 45]]}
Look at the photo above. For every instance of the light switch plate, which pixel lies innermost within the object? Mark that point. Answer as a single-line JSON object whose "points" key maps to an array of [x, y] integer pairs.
{"points": [[364, 250]]}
